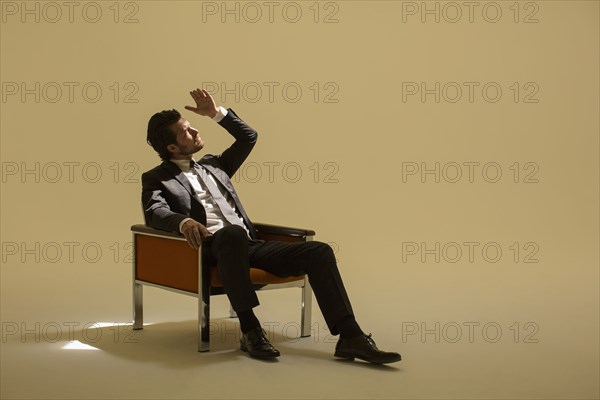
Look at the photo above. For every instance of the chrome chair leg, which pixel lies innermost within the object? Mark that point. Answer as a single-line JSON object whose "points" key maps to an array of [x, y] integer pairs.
{"points": [[203, 306], [306, 313], [138, 293], [138, 306]]}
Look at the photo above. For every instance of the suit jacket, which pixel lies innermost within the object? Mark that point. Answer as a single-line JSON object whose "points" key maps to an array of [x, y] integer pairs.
{"points": [[167, 196]]}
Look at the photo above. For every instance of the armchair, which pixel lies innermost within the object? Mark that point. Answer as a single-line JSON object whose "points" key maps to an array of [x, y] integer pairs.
{"points": [[164, 260]]}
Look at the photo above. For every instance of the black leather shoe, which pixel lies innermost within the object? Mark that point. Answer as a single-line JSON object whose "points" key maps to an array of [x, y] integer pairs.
{"points": [[256, 344], [364, 347]]}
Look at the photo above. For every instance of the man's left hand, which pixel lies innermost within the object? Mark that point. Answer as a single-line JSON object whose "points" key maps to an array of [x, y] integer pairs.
{"points": [[205, 105]]}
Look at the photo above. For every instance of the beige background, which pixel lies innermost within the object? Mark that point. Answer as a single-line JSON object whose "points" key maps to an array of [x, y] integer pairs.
{"points": [[361, 138]]}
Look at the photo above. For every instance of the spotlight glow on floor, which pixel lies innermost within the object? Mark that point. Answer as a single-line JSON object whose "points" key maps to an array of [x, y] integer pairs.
{"points": [[77, 345]]}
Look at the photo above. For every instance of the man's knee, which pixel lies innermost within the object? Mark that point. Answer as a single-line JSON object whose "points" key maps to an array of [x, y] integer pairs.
{"points": [[322, 251], [231, 234]]}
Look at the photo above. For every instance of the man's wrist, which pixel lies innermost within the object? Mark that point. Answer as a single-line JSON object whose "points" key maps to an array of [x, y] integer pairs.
{"points": [[183, 221], [221, 113]]}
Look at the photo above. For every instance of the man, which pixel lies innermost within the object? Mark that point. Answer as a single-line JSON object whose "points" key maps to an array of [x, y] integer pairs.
{"points": [[197, 199]]}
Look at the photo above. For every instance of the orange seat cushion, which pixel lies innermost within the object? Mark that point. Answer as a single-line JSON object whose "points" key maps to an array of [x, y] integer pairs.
{"points": [[257, 276]]}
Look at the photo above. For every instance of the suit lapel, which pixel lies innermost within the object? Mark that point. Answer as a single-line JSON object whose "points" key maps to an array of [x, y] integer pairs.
{"points": [[221, 176], [180, 176]]}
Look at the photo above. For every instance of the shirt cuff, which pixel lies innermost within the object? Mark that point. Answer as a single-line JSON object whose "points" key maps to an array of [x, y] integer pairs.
{"points": [[221, 113], [183, 222]]}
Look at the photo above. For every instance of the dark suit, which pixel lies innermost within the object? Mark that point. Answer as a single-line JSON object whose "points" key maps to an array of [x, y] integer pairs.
{"points": [[168, 198]]}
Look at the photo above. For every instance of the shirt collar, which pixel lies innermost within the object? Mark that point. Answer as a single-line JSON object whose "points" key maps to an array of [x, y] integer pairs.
{"points": [[184, 165]]}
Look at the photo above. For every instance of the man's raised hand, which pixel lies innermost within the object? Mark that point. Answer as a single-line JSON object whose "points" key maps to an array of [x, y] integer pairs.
{"points": [[205, 105]]}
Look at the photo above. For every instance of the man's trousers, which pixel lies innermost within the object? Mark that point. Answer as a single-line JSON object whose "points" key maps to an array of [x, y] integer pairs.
{"points": [[234, 253]]}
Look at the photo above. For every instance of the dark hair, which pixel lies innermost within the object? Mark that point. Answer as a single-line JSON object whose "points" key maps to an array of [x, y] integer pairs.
{"points": [[160, 134]]}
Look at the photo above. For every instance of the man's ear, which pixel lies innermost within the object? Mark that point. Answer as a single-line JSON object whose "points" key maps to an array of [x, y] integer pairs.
{"points": [[172, 148]]}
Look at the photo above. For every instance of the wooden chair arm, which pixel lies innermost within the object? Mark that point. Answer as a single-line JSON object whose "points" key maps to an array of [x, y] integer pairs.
{"points": [[265, 232], [140, 228], [282, 230]]}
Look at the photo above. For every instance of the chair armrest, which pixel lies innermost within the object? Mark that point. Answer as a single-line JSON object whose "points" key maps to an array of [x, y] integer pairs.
{"points": [[261, 228], [282, 230], [140, 228]]}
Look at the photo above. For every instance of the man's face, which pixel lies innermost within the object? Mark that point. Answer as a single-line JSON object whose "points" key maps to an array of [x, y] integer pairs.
{"points": [[187, 140]]}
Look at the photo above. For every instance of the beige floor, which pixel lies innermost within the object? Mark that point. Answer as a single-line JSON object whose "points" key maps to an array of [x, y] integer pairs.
{"points": [[101, 358]]}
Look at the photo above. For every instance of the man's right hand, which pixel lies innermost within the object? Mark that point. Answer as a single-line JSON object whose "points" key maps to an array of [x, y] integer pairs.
{"points": [[195, 233]]}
